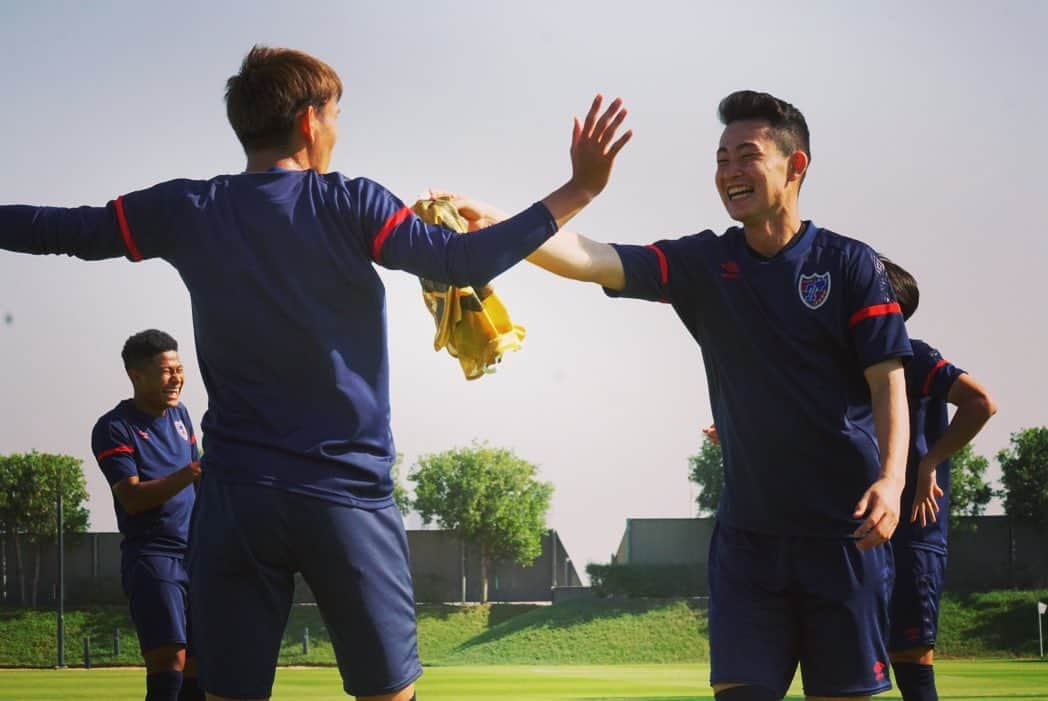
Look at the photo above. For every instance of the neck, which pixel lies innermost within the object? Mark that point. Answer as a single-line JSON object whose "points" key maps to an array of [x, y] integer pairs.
{"points": [[261, 161], [769, 236], [147, 408]]}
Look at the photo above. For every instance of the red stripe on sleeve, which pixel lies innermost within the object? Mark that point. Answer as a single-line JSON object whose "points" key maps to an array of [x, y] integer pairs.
{"points": [[192, 440], [875, 310], [386, 230], [125, 230], [664, 268], [931, 376], [114, 451]]}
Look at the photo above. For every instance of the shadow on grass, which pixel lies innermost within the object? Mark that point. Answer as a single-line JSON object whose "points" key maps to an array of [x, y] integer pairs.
{"points": [[565, 615]]}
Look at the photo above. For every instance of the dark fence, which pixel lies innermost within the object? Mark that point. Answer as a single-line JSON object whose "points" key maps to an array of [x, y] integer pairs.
{"points": [[985, 552], [440, 563]]}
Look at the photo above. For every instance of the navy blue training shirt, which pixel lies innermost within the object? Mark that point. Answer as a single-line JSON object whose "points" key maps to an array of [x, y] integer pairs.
{"points": [[929, 378], [289, 313], [785, 342], [128, 442]]}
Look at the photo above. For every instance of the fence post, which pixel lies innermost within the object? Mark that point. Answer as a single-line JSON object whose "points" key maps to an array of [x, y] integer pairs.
{"points": [[116, 641], [305, 640], [87, 652]]}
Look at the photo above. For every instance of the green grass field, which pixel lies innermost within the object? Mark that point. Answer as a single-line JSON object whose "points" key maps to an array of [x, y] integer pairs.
{"points": [[1011, 680]]}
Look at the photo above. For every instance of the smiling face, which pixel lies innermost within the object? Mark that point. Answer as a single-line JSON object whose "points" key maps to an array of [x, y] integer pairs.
{"points": [[158, 382], [757, 182]]}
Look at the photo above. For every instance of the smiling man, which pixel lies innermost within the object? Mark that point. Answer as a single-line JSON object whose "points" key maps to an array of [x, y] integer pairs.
{"points": [[148, 452], [804, 346]]}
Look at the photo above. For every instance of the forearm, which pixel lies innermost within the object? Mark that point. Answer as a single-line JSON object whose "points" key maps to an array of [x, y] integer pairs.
{"points": [[576, 257], [90, 233], [966, 424], [891, 420], [474, 259], [143, 496]]}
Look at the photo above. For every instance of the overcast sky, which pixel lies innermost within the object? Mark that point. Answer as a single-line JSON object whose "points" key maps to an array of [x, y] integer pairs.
{"points": [[928, 142]]}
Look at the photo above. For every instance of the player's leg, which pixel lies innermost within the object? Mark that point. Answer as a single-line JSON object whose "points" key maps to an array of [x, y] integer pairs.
{"points": [[356, 563], [156, 588], [241, 574], [919, 576], [844, 613], [753, 626]]}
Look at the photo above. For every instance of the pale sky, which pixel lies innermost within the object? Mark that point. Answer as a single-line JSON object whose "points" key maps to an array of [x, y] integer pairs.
{"points": [[927, 124]]}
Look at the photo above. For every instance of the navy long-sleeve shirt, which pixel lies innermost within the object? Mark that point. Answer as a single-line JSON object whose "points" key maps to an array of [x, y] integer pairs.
{"points": [[288, 311]]}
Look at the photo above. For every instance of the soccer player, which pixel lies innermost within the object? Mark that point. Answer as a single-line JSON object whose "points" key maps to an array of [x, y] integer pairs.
{"points": [[290, 325], [804, 345], [919, 546], [148, 452]]}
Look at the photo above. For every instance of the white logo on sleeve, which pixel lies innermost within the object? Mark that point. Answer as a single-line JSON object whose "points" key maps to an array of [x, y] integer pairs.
{"points": [[181, 428]]}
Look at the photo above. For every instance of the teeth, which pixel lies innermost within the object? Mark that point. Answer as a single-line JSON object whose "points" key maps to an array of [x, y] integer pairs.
{"points": [[734, 192]]}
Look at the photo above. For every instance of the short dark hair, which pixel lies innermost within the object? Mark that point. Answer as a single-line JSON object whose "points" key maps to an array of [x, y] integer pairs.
{"points": [[904, 285], [272, 87], [789, 129], [145, 345]]}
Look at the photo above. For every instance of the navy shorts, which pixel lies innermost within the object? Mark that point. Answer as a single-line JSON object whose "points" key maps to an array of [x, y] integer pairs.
{"points": [[158, 589], [919, 577], [250, 540], [780, 601]]}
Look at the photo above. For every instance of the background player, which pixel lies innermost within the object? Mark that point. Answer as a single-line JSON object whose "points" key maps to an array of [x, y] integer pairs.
{"points": [[919, 546], [289, 318], [148, 452], [803, 344]]}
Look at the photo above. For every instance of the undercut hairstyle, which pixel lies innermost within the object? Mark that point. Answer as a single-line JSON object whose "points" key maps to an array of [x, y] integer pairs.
{"points": [[273, 86], [144, 346], [789, 130], [907, 294]]}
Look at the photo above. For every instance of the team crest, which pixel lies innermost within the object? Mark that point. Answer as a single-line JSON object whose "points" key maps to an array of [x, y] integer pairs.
{"points": [[181, 428], [814, 289]]}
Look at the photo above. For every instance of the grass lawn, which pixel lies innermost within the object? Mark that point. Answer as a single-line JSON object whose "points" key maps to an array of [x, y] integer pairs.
{"points": [[1011, 680]]}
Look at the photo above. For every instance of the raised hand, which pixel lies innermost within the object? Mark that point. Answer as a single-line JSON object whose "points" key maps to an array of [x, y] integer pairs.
{"points": [[593, 145]]}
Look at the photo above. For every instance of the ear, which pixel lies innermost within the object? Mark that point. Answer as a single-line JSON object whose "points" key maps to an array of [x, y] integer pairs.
{"points": [[798, 164], [306, 124]]}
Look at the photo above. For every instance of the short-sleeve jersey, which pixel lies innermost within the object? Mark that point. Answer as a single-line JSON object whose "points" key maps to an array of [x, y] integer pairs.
{"points": [[929, 378], [289, 313], [128, 442], [785, 342]]}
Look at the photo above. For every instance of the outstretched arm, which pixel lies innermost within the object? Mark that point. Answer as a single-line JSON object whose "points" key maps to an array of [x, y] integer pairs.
{"points": [[566, 253], [881, 502], [975, 406], [401, 241], [91, 233]]}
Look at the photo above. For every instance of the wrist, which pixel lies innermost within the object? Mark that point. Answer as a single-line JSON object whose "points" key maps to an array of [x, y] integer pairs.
{"points": [[194, 468]]}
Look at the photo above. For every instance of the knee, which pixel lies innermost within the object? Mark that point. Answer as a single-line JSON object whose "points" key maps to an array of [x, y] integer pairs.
{"points": [[743, 692], [170, 658], [914, 655], [405, 694]]}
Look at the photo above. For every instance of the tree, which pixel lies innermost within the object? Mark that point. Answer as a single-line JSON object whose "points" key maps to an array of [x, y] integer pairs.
{"points": [[1024, 473], [29, 484], [401, 498], [707, 470], [969, 492], [489, 497]]}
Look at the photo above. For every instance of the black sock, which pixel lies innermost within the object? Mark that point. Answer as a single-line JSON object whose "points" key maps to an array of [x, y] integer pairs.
{"points": [[191, 691], [163, 686], [915, 681]]}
